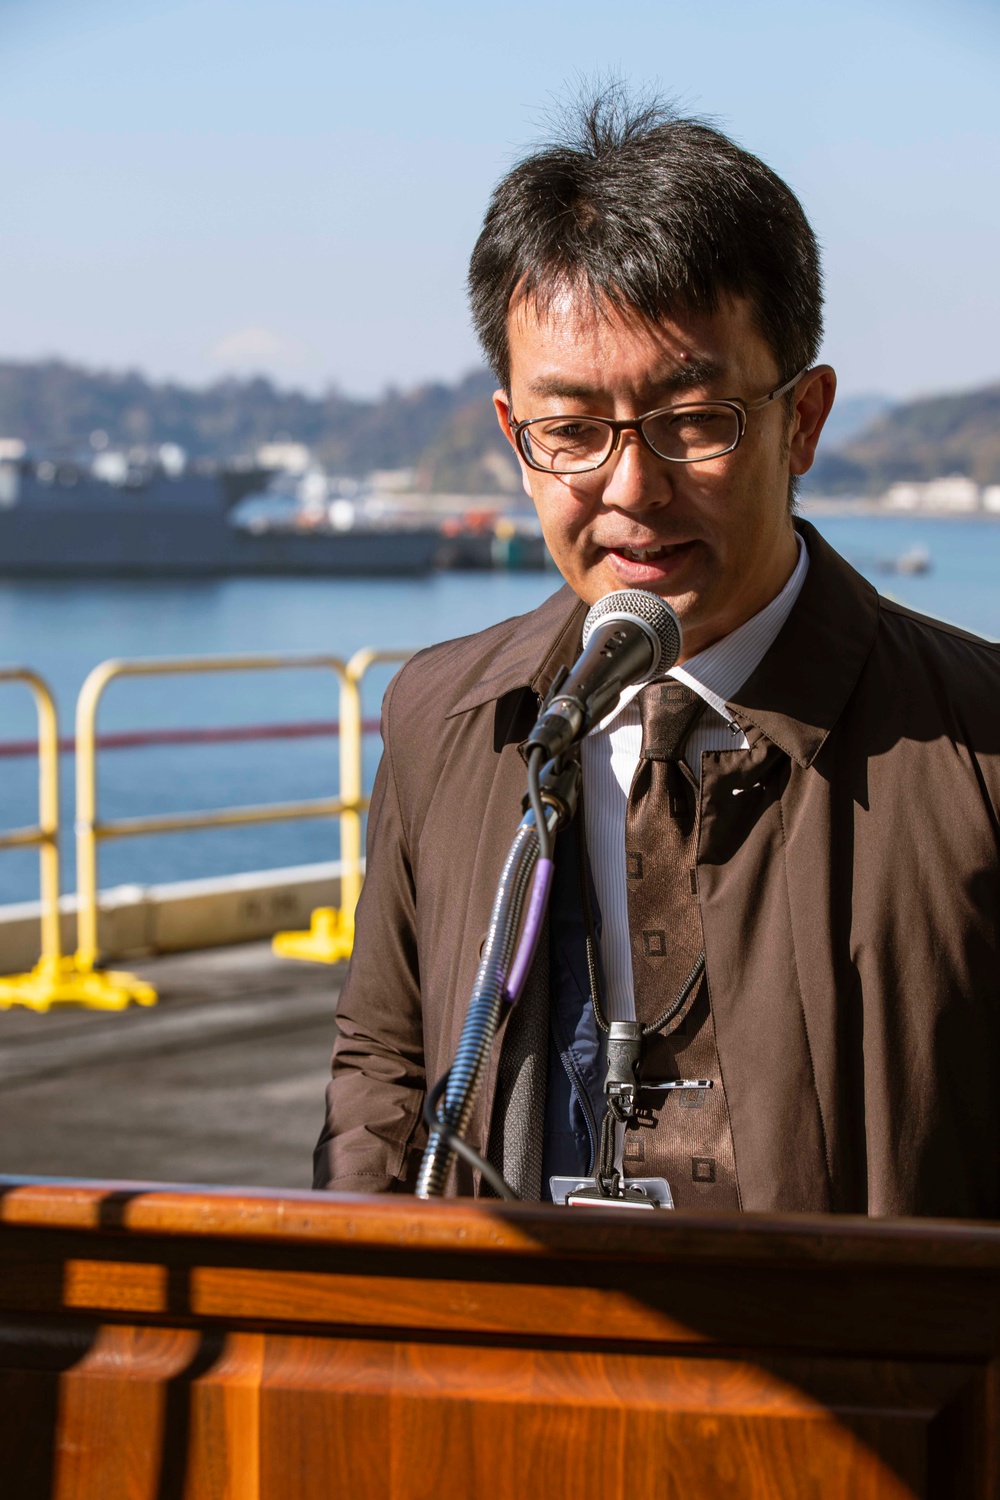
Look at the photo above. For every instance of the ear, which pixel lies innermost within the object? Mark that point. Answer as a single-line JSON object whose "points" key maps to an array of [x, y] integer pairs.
{"points": [[501, 404], [813, 401]]}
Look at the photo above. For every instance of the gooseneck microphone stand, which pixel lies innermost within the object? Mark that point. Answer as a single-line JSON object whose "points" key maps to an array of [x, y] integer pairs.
{"points": [[628, 636], [553, 790]]}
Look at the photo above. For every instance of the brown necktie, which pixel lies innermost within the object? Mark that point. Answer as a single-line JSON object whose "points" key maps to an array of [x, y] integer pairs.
{"points": [[684, 1134]]}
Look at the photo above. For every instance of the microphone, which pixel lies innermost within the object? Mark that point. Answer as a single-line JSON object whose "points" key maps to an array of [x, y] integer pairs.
{"points": [[628, 636]]}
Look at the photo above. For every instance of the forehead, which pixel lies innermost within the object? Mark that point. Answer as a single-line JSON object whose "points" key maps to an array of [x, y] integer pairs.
{"points": [[569, 345]]}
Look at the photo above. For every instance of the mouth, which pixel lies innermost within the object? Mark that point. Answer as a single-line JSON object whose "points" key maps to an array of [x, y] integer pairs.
{"points": [[653, 565], [649, 554], [653, 553]]}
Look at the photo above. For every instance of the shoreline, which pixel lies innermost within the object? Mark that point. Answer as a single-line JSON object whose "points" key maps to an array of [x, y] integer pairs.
{"points": [[822, 507]]}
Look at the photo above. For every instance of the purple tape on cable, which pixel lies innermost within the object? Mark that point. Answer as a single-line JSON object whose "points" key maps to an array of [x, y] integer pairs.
{"points": [[537, 903]]}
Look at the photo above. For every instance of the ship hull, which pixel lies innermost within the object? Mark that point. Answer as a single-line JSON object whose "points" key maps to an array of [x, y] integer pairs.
{"points": [[183, 530]]}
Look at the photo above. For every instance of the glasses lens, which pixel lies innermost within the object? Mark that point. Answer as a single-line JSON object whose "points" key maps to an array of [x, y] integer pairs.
{"points": [[688, 434], [566, 445]]}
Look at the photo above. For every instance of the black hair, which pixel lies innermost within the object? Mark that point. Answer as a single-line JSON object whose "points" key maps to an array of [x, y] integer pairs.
{"points": [[648, 210]]}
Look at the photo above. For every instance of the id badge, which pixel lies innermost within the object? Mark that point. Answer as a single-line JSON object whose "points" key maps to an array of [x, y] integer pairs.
{"points": [[639, 1192]]}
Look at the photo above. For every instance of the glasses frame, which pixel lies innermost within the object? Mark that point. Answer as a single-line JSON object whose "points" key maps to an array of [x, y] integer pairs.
{"points": [[635, 424]]}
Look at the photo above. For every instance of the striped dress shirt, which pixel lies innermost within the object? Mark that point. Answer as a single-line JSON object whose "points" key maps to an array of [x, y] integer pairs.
{"points": [[611, 755]]}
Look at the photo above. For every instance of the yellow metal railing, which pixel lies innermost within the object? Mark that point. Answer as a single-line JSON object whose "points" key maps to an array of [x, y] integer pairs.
{"points": [[55, 979], [31, 989], [330, 936], [77, 978], [116, 990]]}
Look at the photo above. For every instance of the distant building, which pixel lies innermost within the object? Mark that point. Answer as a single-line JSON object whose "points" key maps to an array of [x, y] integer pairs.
{"points": [[391, 481], [956, 494], [287, 457]]}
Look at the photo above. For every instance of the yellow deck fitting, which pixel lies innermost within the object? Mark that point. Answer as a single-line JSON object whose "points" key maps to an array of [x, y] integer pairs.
{"points": [[65, 983], [329, 940]]}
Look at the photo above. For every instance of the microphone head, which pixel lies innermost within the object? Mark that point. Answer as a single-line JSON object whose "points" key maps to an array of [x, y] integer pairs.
{"points": [[653, 614]]}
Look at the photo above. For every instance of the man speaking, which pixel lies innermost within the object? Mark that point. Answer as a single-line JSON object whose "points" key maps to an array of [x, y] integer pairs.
{"points": [[810, 797]]}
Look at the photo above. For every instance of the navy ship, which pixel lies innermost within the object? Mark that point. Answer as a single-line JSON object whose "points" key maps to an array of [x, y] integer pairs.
{"points": [[155, 515]]}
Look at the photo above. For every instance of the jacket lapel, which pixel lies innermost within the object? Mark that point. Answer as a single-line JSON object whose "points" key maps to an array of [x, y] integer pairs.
{"points": [[801, 687], [769, 875]]}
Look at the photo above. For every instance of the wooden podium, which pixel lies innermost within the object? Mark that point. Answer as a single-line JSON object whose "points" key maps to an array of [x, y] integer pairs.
{"points": [[169, 1344]]}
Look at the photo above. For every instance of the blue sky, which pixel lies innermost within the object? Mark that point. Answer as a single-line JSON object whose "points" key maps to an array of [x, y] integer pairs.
{"points": [[192, 187]]}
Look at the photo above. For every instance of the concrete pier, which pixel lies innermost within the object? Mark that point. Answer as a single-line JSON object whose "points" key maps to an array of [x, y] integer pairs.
{"points": [[221, 1082]]}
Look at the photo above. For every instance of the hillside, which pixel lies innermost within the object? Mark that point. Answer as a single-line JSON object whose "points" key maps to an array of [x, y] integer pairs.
{"points": [[926, 439], [447, 433]]}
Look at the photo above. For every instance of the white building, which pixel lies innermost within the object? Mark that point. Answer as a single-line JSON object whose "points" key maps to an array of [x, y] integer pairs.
{"points": [[287, 457], [954, 495]]}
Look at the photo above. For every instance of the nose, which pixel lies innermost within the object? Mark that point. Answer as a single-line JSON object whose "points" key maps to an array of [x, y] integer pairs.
{"points": [[637, 479]]}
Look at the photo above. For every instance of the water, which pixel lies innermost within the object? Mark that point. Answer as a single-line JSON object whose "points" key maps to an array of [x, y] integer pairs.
{"points": [[963, 585], [63, 630]]}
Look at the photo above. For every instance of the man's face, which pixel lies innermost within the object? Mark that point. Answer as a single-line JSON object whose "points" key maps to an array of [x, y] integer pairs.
{"points": [[713, 538]]}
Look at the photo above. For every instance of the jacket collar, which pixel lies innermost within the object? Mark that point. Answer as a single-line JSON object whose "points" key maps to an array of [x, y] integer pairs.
{"points": [[793, 698], [548, 638], [800, 688]]}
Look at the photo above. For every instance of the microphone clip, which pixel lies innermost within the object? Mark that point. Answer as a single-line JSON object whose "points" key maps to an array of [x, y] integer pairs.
{"points": [[559, 786]]}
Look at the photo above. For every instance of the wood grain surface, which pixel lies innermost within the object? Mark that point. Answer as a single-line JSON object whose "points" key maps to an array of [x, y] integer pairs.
{"points": [[157, 1344], [459, 1225]]}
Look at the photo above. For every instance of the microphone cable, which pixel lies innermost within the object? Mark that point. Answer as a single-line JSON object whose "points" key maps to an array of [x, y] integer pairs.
{"points": [[536, 760], [452, 1139]]}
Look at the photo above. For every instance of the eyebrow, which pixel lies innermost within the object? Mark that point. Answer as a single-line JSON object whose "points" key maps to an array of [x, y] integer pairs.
{"points": [[693, 373]]}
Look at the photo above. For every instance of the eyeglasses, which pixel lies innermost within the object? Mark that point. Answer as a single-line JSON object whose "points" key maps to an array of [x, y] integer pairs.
{"points": [[689, 433]]}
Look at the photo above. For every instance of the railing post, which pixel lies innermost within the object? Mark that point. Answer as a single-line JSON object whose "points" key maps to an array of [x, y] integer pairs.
{"points": [[83, 981], [48, 823], [330, 938], [56, 979], [34, 989], [87, 918], [351, 751]]}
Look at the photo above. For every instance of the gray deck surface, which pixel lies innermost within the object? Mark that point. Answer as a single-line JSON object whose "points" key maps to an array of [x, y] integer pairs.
{"points": [[222, 1081]]}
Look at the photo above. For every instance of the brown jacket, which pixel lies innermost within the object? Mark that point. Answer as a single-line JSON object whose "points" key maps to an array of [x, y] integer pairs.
{"points": [[849, 886]]}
